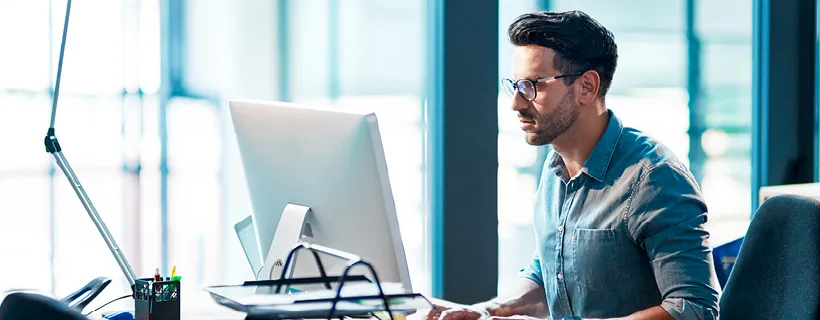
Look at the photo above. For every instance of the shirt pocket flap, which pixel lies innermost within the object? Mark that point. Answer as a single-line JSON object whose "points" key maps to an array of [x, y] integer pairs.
{"points": [[595, 258]]}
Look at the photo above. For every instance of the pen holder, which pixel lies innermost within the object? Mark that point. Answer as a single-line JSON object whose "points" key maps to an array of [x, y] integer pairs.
{"points": [[156, 300]]}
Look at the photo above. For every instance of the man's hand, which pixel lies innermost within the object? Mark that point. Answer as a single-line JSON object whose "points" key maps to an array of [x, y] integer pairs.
{"points": [[435, 313], [458, 313], [528, 298], [514, 318]]}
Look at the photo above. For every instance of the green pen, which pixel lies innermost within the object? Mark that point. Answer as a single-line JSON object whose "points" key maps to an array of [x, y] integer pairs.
{"points": [[175, 278]]}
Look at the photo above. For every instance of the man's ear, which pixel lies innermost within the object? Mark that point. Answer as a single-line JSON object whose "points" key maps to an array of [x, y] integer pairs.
{"points": [[589, 83]]}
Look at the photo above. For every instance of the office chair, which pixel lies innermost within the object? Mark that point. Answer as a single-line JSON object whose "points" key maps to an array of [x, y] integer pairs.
{"points": [[29, 306], [777, 272]]}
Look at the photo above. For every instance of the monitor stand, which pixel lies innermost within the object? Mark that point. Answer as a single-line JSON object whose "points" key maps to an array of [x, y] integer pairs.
{"points": [[289, 233]]}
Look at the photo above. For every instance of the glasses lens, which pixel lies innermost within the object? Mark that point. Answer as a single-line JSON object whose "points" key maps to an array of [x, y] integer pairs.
{"points": [[508, 87], [527, 89]]}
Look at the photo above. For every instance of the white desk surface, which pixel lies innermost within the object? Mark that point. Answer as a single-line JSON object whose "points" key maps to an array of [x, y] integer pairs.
{"points": [[210, 312], [217, 312]]}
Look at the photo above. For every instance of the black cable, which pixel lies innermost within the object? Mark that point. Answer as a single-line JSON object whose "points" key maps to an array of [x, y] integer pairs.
{"points": [[107, 303]]}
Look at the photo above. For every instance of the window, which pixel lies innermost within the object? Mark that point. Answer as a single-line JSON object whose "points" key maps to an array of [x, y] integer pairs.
{"points": [[725, 30], [369, 55], [46, 230], [109, 125], [519, 166], [196, 228]]}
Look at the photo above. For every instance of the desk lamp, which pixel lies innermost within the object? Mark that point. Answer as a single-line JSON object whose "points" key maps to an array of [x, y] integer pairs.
{"points": [[53, 147]]}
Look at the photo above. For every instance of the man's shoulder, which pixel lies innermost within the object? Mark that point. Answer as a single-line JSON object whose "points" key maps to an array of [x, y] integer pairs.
{"points": [[659, 180], [638, 148]]}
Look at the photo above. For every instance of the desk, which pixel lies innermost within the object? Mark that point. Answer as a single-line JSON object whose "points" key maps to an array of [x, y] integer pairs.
{"points": [[213, 311], [811, 190], [209, 312], [208, 309]]}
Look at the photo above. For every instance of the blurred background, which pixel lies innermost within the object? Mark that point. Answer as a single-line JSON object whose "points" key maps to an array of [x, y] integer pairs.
{"points": [[143, 120]]}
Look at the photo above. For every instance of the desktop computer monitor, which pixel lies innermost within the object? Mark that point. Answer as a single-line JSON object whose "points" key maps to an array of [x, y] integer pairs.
{"points": [[332, 162]]}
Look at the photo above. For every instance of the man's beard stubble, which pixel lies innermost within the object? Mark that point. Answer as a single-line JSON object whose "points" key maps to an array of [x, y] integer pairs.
{"points": [[554, 124]]}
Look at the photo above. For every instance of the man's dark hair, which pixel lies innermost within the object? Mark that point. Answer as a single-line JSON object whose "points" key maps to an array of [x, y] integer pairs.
{"points": [[580, 43]]}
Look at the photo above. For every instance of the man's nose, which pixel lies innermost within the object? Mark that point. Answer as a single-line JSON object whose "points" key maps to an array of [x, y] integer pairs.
{"points": [[519, 103]]}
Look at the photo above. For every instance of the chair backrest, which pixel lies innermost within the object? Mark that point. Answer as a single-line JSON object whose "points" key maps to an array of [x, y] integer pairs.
{"points": [[777, 272], [725, 256], [29, 306]]}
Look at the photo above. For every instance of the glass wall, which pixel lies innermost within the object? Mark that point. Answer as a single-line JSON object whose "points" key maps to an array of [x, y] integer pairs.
{"points": [[112, 130], [725, 31], [695, 77], [519, 165], [104, 122], [369, 55]]}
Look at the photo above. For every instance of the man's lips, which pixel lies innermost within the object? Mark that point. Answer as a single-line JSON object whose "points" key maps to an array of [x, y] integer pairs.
{"points": [[527, 124]]}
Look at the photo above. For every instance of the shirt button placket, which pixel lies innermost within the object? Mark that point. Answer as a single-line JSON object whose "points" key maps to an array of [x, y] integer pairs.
{"points": [[560, 275], [560, 244]]}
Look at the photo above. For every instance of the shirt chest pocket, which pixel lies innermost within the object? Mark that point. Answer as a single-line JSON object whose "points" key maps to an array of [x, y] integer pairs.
{"points": [[595, 257]]}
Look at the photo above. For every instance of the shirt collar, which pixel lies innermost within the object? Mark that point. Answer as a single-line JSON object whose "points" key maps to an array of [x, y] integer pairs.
{"points": [[556, 164], [598, 161]]}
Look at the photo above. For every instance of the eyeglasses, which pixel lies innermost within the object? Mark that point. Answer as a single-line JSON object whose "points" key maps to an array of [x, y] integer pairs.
{"points": [[527, 86]]}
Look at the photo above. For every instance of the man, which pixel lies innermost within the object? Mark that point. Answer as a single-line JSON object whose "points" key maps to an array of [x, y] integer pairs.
{"points": [[618, 218]]}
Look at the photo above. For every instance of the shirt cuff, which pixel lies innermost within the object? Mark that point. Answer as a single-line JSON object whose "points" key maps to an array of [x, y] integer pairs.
{"points": [[682, 309], [529, 274]]}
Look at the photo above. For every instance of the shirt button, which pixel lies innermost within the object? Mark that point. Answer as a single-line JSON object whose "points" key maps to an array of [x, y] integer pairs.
{"points": [[560, 276], [560, 228]]}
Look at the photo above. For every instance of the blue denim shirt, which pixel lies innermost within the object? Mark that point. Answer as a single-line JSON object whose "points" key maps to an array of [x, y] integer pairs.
{"points": [[623, 235]]}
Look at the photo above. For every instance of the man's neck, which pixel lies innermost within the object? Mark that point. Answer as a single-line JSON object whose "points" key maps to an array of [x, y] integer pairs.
{"points": [[577, 143]]}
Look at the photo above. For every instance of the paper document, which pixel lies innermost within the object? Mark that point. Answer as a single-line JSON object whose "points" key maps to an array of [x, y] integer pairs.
{"points": [[248, 299], [348, 290]]}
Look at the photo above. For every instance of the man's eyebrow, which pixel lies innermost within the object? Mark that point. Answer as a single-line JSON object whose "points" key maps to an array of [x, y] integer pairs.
{"points": [[531, 77]]}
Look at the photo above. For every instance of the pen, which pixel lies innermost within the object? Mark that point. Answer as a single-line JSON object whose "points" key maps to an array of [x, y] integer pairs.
{"points": [[174, 271], [157, 277]]}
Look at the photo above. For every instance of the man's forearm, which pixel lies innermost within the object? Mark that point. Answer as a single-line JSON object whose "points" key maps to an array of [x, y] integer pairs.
{"points": [[528, 299], [654, 313]]}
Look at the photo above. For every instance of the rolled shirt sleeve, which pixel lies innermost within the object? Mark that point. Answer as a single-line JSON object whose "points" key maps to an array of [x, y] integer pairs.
{"points": [[670, 228], [533, 271]]}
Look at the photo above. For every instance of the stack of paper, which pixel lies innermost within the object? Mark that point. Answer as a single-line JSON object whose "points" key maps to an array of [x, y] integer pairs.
{"points": [[317, 303]]}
